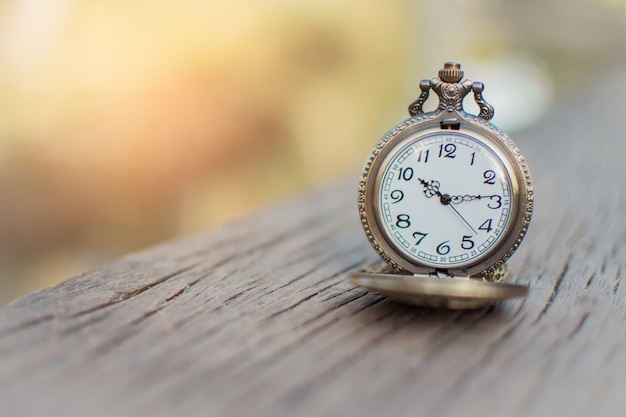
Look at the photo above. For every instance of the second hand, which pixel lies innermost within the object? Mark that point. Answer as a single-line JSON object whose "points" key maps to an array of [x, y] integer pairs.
{"points": [[462, 218]]}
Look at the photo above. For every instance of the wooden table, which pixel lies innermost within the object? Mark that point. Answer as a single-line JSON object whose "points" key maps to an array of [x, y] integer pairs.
{"points": [[259, 319]]}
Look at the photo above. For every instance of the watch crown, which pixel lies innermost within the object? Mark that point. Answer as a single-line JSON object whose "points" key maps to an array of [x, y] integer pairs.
{"points": [[451, 72]]}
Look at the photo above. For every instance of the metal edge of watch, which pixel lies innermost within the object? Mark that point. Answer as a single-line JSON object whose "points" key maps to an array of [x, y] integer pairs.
{"points": [[427, 291]]}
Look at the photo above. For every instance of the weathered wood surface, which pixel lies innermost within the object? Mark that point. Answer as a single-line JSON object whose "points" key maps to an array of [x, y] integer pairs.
{"points": [[259, 319]]}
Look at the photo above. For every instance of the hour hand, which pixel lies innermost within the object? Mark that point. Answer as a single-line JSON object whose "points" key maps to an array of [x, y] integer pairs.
{"points": [[431, 188]]}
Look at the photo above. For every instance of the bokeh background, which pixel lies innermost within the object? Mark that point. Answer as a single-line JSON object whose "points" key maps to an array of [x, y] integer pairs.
{"points": [[126, 123]]}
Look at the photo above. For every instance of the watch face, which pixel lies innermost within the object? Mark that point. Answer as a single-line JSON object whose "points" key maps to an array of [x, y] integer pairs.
{"points": [[443, 199]]}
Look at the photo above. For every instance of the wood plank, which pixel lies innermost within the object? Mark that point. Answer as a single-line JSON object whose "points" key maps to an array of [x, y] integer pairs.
{"points": [[258, 318]]}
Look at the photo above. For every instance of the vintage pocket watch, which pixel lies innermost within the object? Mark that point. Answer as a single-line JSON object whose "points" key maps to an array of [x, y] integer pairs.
{"points": [[445, 199]]}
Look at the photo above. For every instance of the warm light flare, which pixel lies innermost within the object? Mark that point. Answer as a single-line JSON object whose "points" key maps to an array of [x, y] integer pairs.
{"points": [[125, 123]]}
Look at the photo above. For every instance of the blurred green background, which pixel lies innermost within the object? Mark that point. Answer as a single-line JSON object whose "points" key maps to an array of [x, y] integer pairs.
{"points": [[127, 123]]}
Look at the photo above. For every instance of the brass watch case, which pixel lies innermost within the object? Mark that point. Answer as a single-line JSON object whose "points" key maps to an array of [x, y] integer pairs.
{"points": [[427, 123]]}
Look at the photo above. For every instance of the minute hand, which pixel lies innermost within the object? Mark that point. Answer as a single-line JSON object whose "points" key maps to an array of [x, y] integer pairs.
{"points": [[456, 199]]}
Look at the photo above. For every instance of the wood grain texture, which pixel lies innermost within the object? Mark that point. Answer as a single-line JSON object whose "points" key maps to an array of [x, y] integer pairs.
{"points": [[259, 319]]}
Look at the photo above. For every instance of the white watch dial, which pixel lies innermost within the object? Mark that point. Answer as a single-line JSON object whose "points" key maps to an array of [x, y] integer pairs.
{"points": [[444, 199]]}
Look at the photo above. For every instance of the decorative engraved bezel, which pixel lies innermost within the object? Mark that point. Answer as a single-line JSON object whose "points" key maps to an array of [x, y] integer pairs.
{"points": [[499, 143]]}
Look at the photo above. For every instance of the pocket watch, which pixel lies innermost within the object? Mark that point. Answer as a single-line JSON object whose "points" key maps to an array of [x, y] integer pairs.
{"points": [[445, 199]]}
